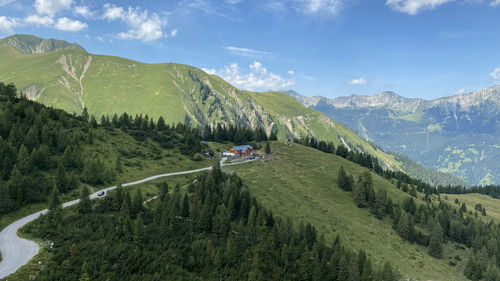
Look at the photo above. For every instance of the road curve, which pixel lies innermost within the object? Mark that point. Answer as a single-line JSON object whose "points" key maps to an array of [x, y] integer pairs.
{"points": [[17, 252]]}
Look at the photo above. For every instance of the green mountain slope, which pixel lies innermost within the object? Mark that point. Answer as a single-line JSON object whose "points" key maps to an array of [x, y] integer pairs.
{"points": [[29, 44], [300, 184], [73, 79]]}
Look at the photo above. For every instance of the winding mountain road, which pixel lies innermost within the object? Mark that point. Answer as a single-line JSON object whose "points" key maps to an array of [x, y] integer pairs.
{"points": [[17, 252]]}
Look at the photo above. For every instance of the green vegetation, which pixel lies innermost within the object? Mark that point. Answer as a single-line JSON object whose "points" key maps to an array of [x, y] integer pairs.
{"points": [[460, 140], [71, 79], [43, 148], [300, 184], [215, 230]]}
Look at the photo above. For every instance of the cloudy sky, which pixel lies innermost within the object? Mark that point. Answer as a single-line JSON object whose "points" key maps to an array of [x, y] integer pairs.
{"points": [[417, 48]]}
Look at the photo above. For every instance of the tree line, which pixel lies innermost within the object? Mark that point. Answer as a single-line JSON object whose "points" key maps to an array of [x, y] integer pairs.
{"points": [[432, 225], [214, 230], [368, 161], [41, 147]]}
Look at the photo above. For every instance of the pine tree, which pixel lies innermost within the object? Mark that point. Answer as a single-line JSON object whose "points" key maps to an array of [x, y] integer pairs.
{"points": [[463, 208], [388, 274], [491, 273], [268, 148], [343, 180], [261, 269], [137, 205], [24, 163], [221, 223], [54, 201], [61, 179], [85, 115], [118, 165], [205, 217], [185, 206], [436, 242], [85, 274], [73, 251], [84, 206]]}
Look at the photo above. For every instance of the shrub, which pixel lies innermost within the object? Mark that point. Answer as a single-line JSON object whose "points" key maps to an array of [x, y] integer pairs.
{"points": [[197, 157]]}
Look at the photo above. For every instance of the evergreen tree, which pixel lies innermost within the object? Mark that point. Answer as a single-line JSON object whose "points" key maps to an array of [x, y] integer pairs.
{"points": [[118, 165], [436, 241], [261, 269], [84, 206], [73, 250], [463, 208], [85, 274], [343, 180], [62, 181], [268, 148], [137, 205], [491, 273], [54, 201], [85, 115], [185, 207]]}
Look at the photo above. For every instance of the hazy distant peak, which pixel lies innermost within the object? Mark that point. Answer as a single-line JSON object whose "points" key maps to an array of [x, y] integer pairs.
{"points": [[29, 44], [465, 101], [307, 101]]}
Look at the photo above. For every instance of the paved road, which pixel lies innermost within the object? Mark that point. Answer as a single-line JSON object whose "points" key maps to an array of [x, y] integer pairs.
{"points": [[16, 251]]}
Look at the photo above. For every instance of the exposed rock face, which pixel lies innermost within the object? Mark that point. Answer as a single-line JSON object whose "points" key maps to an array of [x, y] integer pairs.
{"points": [[457, 134]]}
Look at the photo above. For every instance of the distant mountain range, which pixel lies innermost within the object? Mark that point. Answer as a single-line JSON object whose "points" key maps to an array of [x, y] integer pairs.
{"points": [[66, 76], [458, 134]]}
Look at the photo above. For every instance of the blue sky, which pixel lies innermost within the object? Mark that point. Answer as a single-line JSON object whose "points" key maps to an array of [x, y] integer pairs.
{"points": [[416, 48]]}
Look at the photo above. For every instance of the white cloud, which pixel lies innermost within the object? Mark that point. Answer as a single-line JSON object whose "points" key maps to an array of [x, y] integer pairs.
{"points": [[312, 7], [495, 74], [70, 25], [7, 24], [51, 7], [495, 3], [209, 70], [359, 81], [256, 78], [39, 20], [291, 72], [461, 91], [246, 52], [112, 12], [413, 7], [100, 39], [142, 25], [83, 11], [308, 7], [173, 32]]}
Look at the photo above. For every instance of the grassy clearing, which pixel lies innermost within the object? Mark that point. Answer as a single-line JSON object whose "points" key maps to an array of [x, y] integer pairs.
{"points": [[299, 183], [491, 204]]}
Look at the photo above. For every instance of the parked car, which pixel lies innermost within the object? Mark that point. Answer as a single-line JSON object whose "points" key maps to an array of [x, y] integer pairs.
{"points": [[101, 193]]}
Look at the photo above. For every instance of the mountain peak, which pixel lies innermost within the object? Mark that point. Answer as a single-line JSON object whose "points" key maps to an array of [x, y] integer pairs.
{"points": [[29, 44], [307, 101]]}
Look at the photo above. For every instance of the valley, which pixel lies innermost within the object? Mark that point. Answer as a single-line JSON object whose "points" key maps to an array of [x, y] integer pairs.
{"points": [[456, 135]]}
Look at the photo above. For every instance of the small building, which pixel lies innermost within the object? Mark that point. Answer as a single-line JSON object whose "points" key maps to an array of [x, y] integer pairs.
{"points": [[206, 154], [241, 150]]}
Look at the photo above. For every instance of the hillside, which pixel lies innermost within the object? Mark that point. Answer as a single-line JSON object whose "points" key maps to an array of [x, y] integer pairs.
{"points": [[456, 135], [69, 78], [299, 183], [42, 148]]}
